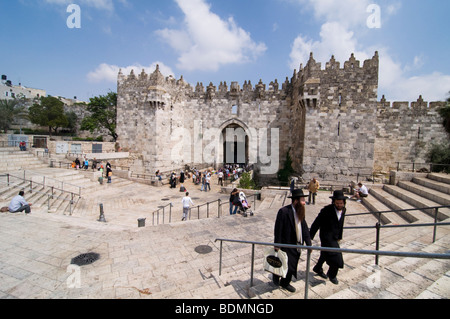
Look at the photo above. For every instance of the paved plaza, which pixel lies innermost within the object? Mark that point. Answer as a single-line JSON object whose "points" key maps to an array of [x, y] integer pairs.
{"points": [[180, 260]]}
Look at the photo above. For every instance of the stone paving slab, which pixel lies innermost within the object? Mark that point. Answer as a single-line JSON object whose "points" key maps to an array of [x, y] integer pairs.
{"points": [[148, 263]]}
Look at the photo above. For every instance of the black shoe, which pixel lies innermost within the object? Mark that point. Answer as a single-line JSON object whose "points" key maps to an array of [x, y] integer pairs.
{"points": [[334, 281], [320, 273], [289, 288]]}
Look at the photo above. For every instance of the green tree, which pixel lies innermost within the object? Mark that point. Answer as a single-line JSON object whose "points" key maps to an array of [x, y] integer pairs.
{"points": [[440, 154], [246, 181], [287, 171], [445, 113], [10, 112], [72, 120], [49, 112], [103, 111]]}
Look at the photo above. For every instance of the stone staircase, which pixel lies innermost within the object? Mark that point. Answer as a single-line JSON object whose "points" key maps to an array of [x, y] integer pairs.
{"points": [[422, 192], [54, 190], [13, 159], [394, 278]]}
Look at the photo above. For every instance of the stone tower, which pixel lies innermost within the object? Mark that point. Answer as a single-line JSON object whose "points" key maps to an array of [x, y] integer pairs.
{"points": [[335, 112]]}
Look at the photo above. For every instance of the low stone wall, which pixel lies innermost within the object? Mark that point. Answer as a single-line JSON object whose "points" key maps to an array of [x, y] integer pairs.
{"points": [[395, 177]]}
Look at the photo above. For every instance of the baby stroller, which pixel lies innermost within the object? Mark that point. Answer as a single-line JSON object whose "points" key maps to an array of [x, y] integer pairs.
{"points": [[244, 206]]}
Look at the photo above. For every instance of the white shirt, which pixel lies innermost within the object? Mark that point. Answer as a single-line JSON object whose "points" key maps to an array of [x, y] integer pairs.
{"points": [[298, 226], [364, 190], [16, 203], [338, 213], [186, 201]]}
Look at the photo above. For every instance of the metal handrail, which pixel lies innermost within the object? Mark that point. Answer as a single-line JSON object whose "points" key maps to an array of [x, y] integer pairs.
{"points": [[164, 214], [413, 164], [311, 248], [44, 185], [219, 209], [51, 196], [380, 213]]}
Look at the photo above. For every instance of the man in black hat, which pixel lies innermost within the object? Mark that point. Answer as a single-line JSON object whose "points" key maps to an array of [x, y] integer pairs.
{"points": [[291, 229], [330, 221]]}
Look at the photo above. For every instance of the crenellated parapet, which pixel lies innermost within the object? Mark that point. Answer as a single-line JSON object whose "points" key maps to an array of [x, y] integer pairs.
{"points": [[152, 90], [395, 109], [247, 92], [156, 84], [335, 86]]}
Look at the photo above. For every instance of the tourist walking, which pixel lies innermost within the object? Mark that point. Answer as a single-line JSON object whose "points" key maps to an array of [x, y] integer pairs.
{"points": [[187, 202], [109, 172], [220, 176], [208, 181], [291, 229], [330, 222], [233, 195], [313, 187]]}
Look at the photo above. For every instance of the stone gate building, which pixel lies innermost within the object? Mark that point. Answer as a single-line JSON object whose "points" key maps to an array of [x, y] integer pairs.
{"points": [[329, 119]]}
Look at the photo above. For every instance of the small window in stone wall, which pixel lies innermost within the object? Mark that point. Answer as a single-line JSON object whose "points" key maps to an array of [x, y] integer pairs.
{"points": [[97, 148], [234, 110]]}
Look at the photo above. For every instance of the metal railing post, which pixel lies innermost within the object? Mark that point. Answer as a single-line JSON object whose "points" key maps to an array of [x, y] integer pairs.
{"points": [[219, 206], [308, 265], [377, 244], [220, 261], [253, 265], [436, 211]]}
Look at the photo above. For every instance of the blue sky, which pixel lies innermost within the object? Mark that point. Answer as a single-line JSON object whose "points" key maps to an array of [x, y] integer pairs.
{"points": [[217, 40]]}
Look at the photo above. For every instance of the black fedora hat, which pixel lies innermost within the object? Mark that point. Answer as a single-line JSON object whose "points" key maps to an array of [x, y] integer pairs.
{"points": [[297, 193], [338, 195]]}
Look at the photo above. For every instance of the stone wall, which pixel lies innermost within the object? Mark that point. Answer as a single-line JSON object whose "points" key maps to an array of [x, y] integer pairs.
{"points": [[172, 125], [330, 120], [406, 132]]}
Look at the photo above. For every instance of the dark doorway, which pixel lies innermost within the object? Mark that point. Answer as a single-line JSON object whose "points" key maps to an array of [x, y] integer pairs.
{"points": [[235, 145]]}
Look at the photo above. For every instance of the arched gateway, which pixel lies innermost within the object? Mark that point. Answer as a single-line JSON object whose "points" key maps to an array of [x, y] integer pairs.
{"points": [[235, 138]]}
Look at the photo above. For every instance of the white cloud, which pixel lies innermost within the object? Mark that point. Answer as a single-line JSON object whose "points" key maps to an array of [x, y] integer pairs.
{"points": [[338, 36], [397, 86], [108, 73], [335, 40], [98, 4], [206, 42], [346, 12]]}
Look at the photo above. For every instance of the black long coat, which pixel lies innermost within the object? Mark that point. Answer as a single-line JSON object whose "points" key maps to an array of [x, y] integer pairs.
{"points": [[285, 234], [331, 231]]}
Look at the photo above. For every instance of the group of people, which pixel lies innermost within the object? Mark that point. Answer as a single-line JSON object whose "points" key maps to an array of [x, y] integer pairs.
{"points": [[238, 200], [291, 228], [77, 164]]}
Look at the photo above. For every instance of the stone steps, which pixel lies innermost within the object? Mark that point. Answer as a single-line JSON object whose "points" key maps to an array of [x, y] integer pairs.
{"points": [[393, 203], [419, 193], [417, 201], [396, 277], [376, 203], [15, 160]]}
